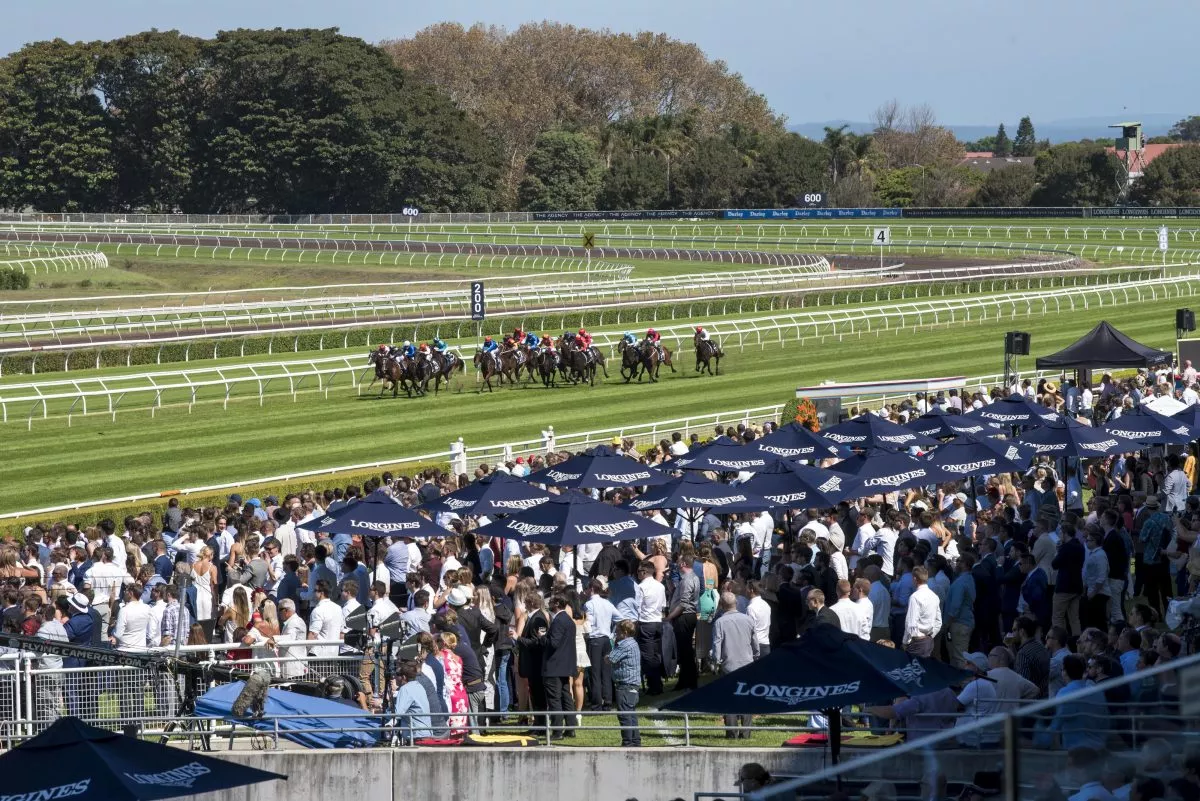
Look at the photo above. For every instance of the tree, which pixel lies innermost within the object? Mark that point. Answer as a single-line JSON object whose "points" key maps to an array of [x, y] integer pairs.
{"points": [[787, 167], [947, 187], [911, 136], [1007, 187], [1077, 175], [898, 187], [1172, 179], [835, 150], [1186, 130], [985, 144], [1025, 142], [563, 171], [635, 181], [1003, 145], [542, 76], [710, 176], [150, 84], [55, 145]]}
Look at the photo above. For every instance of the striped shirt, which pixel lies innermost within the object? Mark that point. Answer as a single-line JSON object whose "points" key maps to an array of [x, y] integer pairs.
{"points": [[626, 662]]}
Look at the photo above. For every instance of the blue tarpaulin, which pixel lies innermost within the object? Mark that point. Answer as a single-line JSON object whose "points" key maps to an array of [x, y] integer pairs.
{"points": [[312, 731]]}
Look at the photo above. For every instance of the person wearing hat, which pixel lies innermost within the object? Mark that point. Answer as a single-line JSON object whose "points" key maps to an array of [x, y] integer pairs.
{"points": [[80, 625], [1154, 536]]}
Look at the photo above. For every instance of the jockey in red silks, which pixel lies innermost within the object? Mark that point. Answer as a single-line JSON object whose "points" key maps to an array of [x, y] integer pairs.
{"points": [[655, 339], [585, 339]]}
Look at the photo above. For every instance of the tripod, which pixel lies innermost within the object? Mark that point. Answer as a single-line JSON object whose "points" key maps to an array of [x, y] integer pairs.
{"points": [[185, 699]]}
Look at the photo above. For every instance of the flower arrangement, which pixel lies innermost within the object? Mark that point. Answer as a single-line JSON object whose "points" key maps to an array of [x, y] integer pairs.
{"points": [[802, 411]]}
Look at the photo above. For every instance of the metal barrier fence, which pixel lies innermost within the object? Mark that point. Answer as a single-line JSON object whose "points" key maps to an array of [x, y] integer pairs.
{"points": [[35, 260], [1124, 726]]}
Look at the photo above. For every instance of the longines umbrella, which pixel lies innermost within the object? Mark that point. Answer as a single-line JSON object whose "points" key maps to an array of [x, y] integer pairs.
{"points": [[733, 458], [939, 425], [599, 470], [574, 519], [872, 431], [71, 759], [1015, 410], [719, 445], [1190, 415], [968, 455], [794, 441], [797, 486], [495, 493], [878, 470], [826, 669], [1143, 424], [1068, 438], [693, 491], [377, 515]]}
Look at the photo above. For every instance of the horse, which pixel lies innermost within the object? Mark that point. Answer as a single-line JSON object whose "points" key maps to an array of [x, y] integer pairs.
{"points": [[582, 364], [418, 373], [547, 367], [707, 350], [488, 366], [652, 360], [512, 361], [389, 370], [530, 365], [631, 361], [446, 364]]}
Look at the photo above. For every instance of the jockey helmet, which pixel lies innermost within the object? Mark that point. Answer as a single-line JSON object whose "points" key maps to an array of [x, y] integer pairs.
{"points": [[699, 328], [407, 344], [582, 332], [487, 338], [650, 332], [383, 347]]}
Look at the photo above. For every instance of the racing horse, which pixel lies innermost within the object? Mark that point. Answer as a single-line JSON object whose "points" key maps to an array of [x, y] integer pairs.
{"points": [[417, 375], [446, 365], [631, 361], [582, 364], [488, 367], [707, 350], [388, 370], [652, 361], [547, 367]]}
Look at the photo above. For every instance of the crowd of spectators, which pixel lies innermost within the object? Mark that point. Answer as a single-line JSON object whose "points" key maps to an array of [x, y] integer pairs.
{"points": [[1040, 584]]}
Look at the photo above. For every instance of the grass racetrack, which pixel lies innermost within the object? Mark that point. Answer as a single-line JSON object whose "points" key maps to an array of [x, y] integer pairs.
{"points": [[98, 458]]}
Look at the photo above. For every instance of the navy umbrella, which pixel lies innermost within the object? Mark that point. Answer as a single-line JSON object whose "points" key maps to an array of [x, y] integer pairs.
{"points": [[940, 425], [732, 457], [1189, 416], [878, 470], [1015, 410], [794, 441], [693, 491], [1068, 438], [797, 485], [1143, 424], [599, 469], [826, 669], [377, 515], [495, 493], [872, 431], [968, 455], [71, 759], [574, 519], [720, 444]]}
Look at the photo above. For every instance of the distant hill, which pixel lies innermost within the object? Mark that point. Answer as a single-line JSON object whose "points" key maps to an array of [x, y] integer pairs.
{"points": [[1056, 130]]}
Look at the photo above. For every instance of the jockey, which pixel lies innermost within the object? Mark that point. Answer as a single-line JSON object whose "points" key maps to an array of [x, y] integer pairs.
{"points": [[566, 340], [424, 350], [439, 345], [702, 333], [518, 335], [408, 350], [489, 345], [532, 340], [585, 339], [655, 339], [629, 338]]}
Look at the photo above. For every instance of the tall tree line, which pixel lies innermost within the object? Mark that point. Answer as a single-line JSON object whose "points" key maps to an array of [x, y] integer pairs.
{"points": [[267, 121]]}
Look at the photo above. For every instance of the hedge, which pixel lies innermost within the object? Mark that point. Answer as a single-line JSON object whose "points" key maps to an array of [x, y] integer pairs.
{"points": [[13, 279], [49, 360], [156, 506]]}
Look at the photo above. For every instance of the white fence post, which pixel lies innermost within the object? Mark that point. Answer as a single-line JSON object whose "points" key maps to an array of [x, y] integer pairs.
{"points": [[458, 457], [548, 439]]}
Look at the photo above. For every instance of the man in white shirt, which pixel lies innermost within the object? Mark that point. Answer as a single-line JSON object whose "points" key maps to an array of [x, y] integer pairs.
{"points": [[382, 607], [678, 446], [815, 525], [158, 605], [105, 578], [848, 613], [860, 594], [881, 604], [325, 622], [133, 621], [286, 533], [837, 560], [1175, 486], [759, 612], [924, 618], [864, 534], [292, 630], [884, 544], [651, 600]]}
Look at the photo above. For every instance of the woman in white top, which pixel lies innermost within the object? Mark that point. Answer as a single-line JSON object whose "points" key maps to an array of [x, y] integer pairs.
{"points": [[204, 577]]}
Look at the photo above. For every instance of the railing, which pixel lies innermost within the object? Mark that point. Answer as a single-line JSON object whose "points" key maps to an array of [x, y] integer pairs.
{"points": [[461, 458], [35, 260]]}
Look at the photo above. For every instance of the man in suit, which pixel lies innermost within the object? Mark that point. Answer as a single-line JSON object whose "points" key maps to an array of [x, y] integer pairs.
{"points": [[1068, 589], [559, 664], [987, 598], [819, 613]]}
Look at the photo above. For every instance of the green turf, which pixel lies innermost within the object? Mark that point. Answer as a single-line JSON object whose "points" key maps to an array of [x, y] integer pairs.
{"points": [[97, 458]]}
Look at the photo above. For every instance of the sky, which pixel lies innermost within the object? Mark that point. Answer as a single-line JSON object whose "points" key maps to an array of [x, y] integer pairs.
{"points": [[974, 62]]}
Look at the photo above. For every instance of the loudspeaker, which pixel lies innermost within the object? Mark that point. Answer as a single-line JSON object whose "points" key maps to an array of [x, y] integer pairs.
{"points": [[1185, 320], [1017, 343]]}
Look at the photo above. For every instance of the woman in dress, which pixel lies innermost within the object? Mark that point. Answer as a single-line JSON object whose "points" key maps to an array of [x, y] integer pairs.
{"points": [[487, 654], [236, 615], [456, 693], [204, 578], [583, 661]]}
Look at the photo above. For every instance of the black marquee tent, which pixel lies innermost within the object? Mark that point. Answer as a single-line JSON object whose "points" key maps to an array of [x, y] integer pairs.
{"points": [[1103, 347]]}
